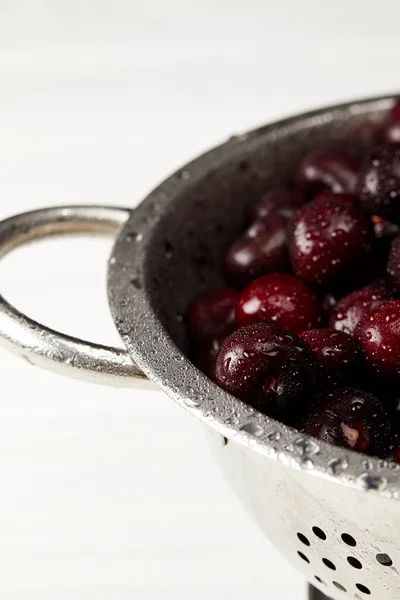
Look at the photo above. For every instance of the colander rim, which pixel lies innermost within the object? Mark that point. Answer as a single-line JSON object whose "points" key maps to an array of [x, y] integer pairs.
{"points": [[157, 355]]}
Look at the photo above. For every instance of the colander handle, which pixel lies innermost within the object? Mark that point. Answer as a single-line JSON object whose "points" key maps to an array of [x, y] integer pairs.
{"points": [[45, 347]]}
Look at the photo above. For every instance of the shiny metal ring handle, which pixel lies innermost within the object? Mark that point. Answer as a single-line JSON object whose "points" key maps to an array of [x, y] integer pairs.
{"points": [[41, 345]]}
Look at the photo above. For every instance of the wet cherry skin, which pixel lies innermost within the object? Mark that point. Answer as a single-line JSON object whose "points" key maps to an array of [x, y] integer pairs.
{"points": [[269, 368], [281, 298]]}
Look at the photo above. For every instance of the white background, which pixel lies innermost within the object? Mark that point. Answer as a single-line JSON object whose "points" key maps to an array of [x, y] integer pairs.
{"points": [[111, 494]]}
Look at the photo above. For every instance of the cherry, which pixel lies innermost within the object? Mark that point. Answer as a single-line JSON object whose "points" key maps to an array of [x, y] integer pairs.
{"points": [[352, 419], [396, 455], [379, 182], [327, 195], [332, 169], [206, 356], [393, 266], [348, 312], [282, 202], [261, 249], [269, 368], [338, 355], [392, 133], [328, 238], [212, 315], [281, 298], [394, 114], [378, 334]]}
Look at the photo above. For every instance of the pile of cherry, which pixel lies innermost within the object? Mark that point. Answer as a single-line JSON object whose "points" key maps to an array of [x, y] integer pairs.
{"points": [[309, 332]]}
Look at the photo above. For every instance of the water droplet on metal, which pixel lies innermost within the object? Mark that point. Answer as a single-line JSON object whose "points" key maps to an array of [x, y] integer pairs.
{"points": [[232, 419], [184, 174], [274, 436], [306, 447], [306, 463], [367, 465], [191, 402], [370, 481], [337, 466], [136, 283], [252, 429]]}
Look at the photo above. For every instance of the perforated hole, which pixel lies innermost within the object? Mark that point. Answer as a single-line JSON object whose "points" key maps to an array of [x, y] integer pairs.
{"points": [[363, 589], [354, 562], [339, 586], [328, 563], [384, 560], [319, 580], [303, 539], [349, 540], [304, 557], [319, 533]]}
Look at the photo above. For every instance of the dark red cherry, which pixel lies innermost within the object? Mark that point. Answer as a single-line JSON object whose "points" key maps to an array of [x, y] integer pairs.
{"points": [[394, 115], [348, 312], [261, 249], [392, 133], [338, 355], [396, 455], [378, 334], [206, 356], [379, 182], [332, 169], [352, 419], [282, 202], [212, 315], [327, 195], [328, 239], [269, 368], [393, 267], [281, 298]]}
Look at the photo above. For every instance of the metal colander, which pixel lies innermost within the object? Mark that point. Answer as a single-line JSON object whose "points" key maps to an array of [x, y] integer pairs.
{"points": [[334, 514]]}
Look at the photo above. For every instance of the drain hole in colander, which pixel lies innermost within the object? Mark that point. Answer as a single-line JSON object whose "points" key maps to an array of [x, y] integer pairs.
{"points": [[349, 540], [319, 580], [354, 562], [303, 539], [329, 564], [319, 533], [384, 560], [362, 588], [339, 586], [304, 557]]}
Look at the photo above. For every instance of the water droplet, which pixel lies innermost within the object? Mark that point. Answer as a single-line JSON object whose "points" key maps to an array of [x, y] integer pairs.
{"points": [[274, 436], [139, 237], [113, 260], [367, 465], [337, 466], [191, 402], [370, 481], [306, 447], [184, 174], [232, 420], [306, 464], [136, 283], [253, 429]]}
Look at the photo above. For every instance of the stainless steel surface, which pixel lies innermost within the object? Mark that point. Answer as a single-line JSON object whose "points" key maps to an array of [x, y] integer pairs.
{"points": [[39, 344], [333, 513]]}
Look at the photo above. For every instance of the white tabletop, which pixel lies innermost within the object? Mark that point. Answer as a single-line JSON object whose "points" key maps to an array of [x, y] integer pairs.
{"points": [[99, 101]]}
